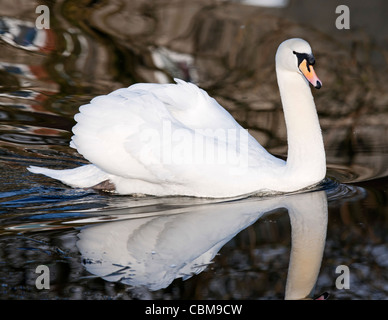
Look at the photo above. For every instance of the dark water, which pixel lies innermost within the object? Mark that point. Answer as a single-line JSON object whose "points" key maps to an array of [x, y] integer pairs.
{"points": [[99, 246]]}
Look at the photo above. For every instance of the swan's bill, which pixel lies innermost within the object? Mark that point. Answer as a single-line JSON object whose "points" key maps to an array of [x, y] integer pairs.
{"points": [[308, 71]]}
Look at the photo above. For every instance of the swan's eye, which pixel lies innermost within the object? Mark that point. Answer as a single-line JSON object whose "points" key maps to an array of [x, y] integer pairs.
{"points": [[304, 56]]}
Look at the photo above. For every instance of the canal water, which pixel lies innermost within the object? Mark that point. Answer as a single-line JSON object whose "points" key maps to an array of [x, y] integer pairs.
{"points": [[331, 238]]}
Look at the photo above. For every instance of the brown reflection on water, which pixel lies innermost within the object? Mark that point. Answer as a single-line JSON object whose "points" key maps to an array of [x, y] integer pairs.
{"points": [[228, 49]]}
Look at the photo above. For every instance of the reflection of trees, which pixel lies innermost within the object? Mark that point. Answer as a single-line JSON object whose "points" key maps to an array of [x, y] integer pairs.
{"points": [[233, 48], [228, 48]]}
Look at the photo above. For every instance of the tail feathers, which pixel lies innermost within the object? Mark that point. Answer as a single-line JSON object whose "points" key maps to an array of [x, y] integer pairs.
{"points": [[82, 177]]}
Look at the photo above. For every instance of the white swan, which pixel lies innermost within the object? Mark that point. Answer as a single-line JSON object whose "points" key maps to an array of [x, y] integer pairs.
{"points": [[173, 139]]}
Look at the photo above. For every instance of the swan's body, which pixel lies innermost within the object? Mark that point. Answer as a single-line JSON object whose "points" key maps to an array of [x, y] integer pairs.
{"points": [[173, 139]]}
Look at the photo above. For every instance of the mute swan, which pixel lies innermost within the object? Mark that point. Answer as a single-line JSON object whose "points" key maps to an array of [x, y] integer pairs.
{"points": [[174, 139]]}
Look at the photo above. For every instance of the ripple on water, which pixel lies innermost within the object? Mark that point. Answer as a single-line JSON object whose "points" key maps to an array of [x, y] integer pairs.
{"points": [[337, 191]]}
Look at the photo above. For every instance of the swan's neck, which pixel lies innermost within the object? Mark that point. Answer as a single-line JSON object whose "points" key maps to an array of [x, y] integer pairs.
{"points": [[306, 153]]}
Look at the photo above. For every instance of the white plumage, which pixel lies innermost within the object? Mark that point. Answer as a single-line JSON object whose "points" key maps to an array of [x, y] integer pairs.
{"points": [[174, 139]]}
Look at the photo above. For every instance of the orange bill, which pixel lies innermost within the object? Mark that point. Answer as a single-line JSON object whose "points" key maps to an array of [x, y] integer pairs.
{"points": [[309, 73]]}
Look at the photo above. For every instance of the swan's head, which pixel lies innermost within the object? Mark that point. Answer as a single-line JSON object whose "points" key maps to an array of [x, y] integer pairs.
{"points": [[295, 55]]}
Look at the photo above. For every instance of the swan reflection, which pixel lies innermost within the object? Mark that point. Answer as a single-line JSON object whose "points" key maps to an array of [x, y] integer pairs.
{"points": [[153, 251]]}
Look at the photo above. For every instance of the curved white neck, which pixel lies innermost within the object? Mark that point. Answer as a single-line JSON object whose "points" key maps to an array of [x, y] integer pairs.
{"points": [[306, 154]]}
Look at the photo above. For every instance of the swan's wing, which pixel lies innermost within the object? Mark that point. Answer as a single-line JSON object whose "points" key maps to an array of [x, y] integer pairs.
{"points": [[118, 132], [189, 105], [145, 131]]}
